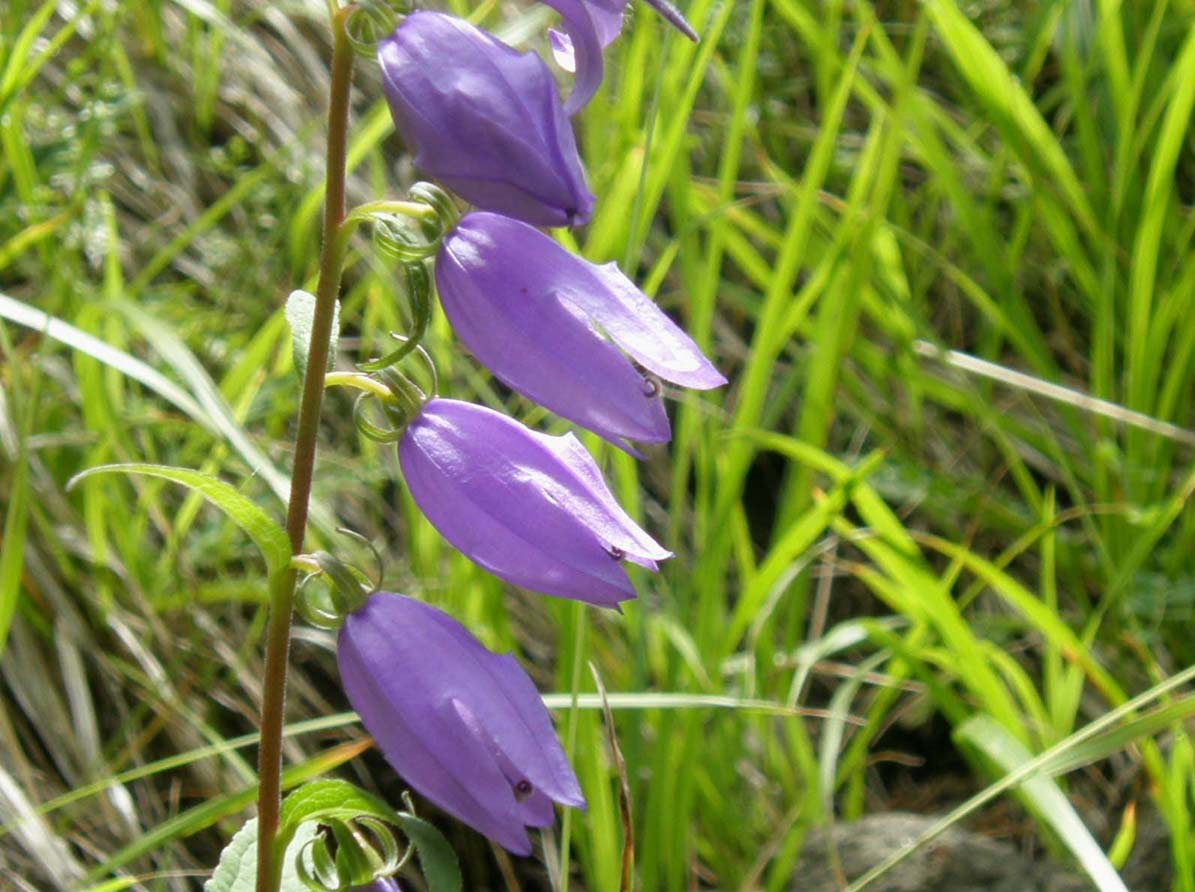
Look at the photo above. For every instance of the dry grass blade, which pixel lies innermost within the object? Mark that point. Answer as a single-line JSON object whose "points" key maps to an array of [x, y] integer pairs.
{"points": [[624, 787]]}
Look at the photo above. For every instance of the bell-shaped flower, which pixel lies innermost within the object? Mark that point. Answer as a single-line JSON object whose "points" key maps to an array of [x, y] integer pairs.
{"points": [[530, 508], [462, 725], [484, 120], [550, 324]]}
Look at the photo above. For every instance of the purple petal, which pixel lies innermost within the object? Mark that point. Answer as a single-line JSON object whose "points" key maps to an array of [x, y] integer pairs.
{"points": [[384, 884], [562, 50], [413, 732], [510, 318], [523, 505], [636, 324], [673, 16], [607, 17], [598, 508], [585, 51]]}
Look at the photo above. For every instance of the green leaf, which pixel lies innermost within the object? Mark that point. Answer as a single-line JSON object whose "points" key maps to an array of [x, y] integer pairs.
{"points": [[332, 799], [237, 870], [265, 532], [300, 311], [437, 860], [204, 405]]}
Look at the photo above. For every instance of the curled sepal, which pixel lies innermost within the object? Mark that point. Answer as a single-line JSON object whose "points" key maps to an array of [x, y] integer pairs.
{"points": [[365, 860], [316, 608], [329, 802], [402, 406], [419, 293], [370, 21], [398, 238], [347, 590], [439, 200], [342, 858], [316, 867]]}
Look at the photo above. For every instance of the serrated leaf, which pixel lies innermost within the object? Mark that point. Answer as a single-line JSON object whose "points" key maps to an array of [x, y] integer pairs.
{"points": [[333, 799], [237, 870], [300, 311], [265, 532]]}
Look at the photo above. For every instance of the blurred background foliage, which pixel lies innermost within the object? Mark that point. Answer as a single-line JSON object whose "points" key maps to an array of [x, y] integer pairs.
{"points": [[937, 525]]}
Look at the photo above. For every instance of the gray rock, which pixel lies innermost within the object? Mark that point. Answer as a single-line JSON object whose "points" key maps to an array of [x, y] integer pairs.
{"points": [[956, 861]]}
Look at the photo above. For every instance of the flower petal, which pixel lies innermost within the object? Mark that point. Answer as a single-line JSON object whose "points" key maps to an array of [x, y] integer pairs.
{"points": [[426, 745], [520, 504], [585, 51], [599, 509], [638, 326]]}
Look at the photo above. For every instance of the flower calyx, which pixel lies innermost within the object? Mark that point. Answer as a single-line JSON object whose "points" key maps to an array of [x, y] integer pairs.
{"points": [[346, 591], [369, 22], [342, 858]]}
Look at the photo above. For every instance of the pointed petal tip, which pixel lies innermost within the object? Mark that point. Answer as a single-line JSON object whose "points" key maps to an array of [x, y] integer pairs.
{"points": [[516, 846], [673, 16], [711, 379]]}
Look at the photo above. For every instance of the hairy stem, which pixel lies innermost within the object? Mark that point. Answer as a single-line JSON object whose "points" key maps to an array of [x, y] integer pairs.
{"points": [[282, 587]]}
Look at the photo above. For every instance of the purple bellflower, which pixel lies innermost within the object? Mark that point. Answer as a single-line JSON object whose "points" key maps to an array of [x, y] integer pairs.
{"points": [[462, 725], [485, 120], [530, 508], [550, 324]]}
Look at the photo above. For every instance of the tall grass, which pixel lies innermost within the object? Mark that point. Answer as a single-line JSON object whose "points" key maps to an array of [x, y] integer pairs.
{"points": [[943, 252]]}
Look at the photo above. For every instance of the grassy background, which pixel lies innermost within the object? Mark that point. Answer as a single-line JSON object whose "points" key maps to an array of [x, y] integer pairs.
{"points": [[936, 528]]}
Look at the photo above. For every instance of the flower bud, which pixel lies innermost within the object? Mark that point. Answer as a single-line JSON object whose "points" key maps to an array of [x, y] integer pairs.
{"points": [[484, 120]]}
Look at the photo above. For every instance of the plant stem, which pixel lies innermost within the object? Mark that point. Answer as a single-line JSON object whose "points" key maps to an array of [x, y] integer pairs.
{"points": [[282, 587]]}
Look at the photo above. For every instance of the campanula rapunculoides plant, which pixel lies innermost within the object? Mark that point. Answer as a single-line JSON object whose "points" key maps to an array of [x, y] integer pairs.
{"points": [[460, 724]]}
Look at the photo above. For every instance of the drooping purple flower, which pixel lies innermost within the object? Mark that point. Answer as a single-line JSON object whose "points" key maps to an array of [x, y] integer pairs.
{"points": [[530, 508], [484, 120], [607, 17], [462, 725], [547, 323]]}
